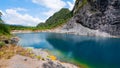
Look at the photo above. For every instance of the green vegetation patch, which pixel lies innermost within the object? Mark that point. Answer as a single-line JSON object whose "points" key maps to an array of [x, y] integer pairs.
{"points": [[56, 20], [2, 44], [20, 27], [4, 29], [79, 5]]}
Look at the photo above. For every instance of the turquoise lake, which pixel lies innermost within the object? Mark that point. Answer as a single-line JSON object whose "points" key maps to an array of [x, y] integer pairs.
{"points": [[94, 52]]}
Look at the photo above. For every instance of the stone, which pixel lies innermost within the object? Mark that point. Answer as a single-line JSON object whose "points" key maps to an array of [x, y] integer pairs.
{"points": [[14, 40], [102, 15]]}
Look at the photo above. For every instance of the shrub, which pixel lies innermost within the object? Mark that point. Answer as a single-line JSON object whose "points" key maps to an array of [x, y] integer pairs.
{"points": [[4, 29], [2, 44], [38, 57]]}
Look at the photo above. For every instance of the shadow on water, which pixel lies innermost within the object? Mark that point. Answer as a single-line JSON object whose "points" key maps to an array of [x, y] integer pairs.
{"points": [[95, 51]]}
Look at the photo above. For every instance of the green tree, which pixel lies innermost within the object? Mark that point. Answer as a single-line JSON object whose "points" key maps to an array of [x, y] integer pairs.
{"points": [[0, 14], [57, 19], [4, 29]]}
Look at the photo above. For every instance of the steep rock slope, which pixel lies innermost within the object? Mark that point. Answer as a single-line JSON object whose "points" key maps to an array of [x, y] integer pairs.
{"points": [[95, 15]]}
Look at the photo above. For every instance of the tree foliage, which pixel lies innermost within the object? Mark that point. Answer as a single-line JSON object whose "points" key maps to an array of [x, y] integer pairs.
{"points": [[57, 19], [20, 27], [0, 14], [4, 29]]}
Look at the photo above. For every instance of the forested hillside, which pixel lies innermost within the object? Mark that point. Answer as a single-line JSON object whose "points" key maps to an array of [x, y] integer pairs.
{"points": [[57, 19], [20, 27]]}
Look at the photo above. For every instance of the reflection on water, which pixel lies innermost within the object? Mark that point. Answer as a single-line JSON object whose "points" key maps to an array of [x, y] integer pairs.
{"points": [[94, 51]]}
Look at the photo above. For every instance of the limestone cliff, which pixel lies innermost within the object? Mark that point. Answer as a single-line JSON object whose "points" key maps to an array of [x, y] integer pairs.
{"points": [[100, 15]]}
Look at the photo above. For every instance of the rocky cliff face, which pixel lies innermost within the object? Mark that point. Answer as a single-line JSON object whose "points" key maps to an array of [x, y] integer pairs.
{"points": [[101, 15]]}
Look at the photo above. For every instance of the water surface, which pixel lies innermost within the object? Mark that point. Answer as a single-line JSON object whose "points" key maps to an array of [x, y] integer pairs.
{"points": [[94, 52]]}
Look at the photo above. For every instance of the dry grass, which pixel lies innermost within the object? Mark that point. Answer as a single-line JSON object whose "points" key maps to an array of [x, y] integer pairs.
{"points": [[6, 52]]}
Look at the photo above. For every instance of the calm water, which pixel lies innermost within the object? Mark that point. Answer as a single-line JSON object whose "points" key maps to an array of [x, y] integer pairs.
{"points": [[94, 52]]}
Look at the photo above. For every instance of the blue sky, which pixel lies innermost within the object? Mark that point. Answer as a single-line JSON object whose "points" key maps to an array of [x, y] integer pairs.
{"points": [[31, 12]]}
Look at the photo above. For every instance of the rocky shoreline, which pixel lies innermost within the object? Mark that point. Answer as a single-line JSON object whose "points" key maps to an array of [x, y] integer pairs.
{"points": [[49, 58], [86, 32], [56, 63], [48, 62], [19, 61], [15, 56]]}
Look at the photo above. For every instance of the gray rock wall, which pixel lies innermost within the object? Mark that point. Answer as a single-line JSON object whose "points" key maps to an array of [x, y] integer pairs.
{"points": [[102, 15]]}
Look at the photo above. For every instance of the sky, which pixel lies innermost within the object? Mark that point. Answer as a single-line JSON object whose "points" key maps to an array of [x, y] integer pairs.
{"points": [[31, 12]]}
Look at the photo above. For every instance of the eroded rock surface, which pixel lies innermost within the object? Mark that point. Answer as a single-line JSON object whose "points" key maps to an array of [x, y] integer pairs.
{"points": [[102, 15]]}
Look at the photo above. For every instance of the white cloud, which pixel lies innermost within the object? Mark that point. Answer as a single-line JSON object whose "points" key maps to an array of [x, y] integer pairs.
{"points": [[49, 13], [21, 17], [71, 4], [52, 5], [12, 16], [2, 12], [20, 9]]}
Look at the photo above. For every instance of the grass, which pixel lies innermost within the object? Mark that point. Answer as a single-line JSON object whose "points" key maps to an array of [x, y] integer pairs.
{"points": [[6, 52], [79, 6], [38, 57], [2, 44]]}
